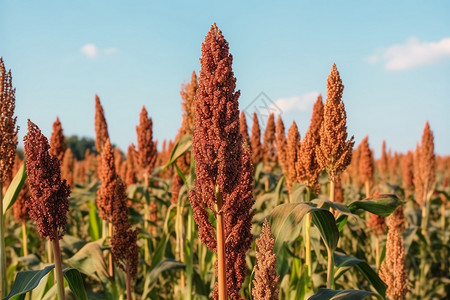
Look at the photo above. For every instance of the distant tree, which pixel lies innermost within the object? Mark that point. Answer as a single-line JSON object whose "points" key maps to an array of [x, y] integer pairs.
{"points": [[79, 145]]}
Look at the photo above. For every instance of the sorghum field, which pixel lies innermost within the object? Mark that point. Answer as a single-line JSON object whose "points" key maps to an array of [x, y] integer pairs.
{"points": [[223, 211]]}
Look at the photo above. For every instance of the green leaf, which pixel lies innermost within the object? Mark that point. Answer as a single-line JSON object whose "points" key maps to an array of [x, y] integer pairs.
{"points": [[90, 261], [327, 294], [27, 281], [382, 205], [75, 282], [94, 228], [165, 265], [285, 223], [14, 188], [343, 260], [183, 145]]}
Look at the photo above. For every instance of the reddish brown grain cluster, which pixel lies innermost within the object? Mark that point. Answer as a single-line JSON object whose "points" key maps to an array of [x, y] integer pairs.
{"points": [[383, 164], [20, 208], [408, 170], [294, 166], [266, 277], [57, 141], [426, 164], [310, 142], [392, 270], [123, 241], [187, 93], [244, 129], [335, 151], [281, 145], [255, 141], [223, 168], [145, 145], [48, 205], [108, 179], [101, 127], [8, 129], [67, 167], [269, 153]]}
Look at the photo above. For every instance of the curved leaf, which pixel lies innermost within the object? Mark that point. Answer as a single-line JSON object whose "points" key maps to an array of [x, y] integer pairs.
{"points": [[343, 260], [27, 281], [75, 282], [382, 204], [90, 261], [285, 218], [183, 145], [165, 265], [14, 188], [327, 294]]}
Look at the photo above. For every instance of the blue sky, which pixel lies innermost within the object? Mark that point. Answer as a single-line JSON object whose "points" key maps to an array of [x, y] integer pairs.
{"points": [[393, 57]]}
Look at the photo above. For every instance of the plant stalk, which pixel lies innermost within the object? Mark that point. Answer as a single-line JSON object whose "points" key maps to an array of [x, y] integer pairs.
{"points": [[2, 248], [58, 270], [111, 263], [377, 252], [332, 190], [129, 291], [222, 271], [330, 269], [308, 245], [24, 239]]}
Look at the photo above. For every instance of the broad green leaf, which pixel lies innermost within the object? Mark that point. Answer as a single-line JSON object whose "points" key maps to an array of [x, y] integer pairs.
{"points": [[75, 282], [94, 228], [27, 281], [14, 188], [165, 265], [90, 261], [343, 260], [183, 145], [382, 205], [327, 294], [285, 223]]}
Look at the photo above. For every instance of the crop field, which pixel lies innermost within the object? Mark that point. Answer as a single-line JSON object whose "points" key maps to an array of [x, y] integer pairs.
{"points": [[222, 210]]}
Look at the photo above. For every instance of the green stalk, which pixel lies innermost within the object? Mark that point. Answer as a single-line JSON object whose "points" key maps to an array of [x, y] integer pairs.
{"points": [[330, 269], [423, 252], [189, 257], [111, 263], [2, 248], [307, 228], [58, 270], [24, 239]]}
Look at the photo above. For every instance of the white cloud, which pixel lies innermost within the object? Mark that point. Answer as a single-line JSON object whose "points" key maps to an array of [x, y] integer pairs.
{"points": [[92, 51], [302, 102], [413, 53]]}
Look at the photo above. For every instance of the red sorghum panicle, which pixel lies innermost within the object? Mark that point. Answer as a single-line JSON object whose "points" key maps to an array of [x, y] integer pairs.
{"points": [[408, 170], [8, 129], [108, 179], [335, 151], [307, 155], [187, 93], [265, 284], [67, 167], [20, 208], [383, 166], [101, 127], [281, 145], [146, 146], [269, 154], [427, 165], [393, 271], [123, 241], [57, 141], [48, 206], [295, 168], [244, 129], [223, 168], [255, 141]]}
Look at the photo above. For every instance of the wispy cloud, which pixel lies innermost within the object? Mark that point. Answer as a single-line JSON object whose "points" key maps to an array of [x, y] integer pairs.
{"points": [[301, 103], [92, 51], [413, 53]]}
